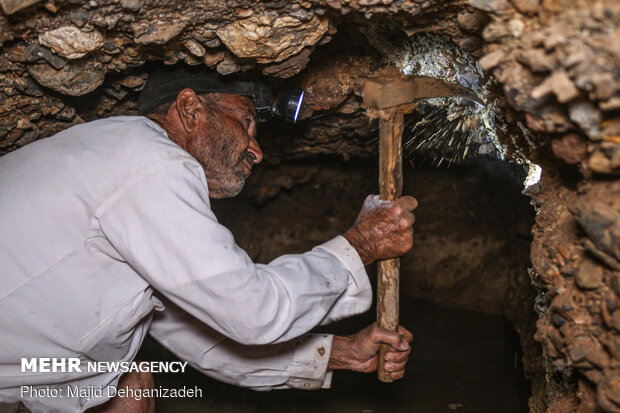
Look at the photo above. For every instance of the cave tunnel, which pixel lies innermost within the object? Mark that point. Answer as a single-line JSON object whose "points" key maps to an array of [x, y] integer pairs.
{"points": [[512, 287]]}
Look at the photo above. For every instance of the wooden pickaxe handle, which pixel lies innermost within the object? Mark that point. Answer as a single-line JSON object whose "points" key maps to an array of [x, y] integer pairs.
{"points": [[391, 187]]}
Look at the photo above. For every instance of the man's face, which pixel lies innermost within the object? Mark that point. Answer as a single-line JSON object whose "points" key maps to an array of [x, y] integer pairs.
{"points": [[226, 144]]}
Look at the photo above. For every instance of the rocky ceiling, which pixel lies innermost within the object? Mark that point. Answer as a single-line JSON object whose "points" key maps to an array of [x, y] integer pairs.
{"points": [[554, 67]]}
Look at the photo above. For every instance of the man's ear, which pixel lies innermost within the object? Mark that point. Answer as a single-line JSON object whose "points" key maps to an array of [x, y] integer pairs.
{"points": [[188, 107]]}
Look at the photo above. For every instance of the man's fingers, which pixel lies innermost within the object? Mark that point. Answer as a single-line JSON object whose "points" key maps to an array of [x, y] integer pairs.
{"points": [[393, 366], [397, 356], [406, 334], [389, 337], [408, 202]]}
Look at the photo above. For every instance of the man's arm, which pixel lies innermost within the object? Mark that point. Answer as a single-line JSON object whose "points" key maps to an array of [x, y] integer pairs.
{"points": [[303, 363], [164, 229]]}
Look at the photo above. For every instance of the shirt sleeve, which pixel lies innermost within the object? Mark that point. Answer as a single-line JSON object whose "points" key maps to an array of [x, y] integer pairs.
{"points": [[297, 364], [163, 227]]}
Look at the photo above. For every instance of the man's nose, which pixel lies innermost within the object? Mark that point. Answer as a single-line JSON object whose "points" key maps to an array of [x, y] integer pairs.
{"points": [[255, 151]]}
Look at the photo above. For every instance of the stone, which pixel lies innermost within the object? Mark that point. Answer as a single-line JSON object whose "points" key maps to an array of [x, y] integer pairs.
{"points": [[585, 115], [589, 275], [491, 60], [213, 43], [302, 14], [213, 58], [604, 85], [515, 27], [132, 5], [471, 43], [116, 94], [271, 40], [156, 34], [80, 17], [490, 5], [28, 87], [289, 67], [132, 81], [75, 79], [228, 65], [559, 84], [194, 48], [570, 148], [495, 31], [35, 53], [71, 42], [67, 114], [610, 105], [537, 60], [472, 21], [11, 7], [527, 6]]}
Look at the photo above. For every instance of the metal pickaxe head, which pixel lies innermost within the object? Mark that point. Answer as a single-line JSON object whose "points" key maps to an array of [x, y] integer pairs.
{"points": [[384, 94]]}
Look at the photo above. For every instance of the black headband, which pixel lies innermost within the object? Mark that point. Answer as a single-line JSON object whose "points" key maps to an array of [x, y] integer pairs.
{"points": [[164, 84]]}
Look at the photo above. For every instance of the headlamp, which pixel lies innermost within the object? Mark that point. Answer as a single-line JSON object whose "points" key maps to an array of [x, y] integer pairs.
{"points": [[165, 84]]}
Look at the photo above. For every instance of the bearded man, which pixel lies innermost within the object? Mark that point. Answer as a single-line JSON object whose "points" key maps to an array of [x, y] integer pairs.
{"points": [[108, 235]]}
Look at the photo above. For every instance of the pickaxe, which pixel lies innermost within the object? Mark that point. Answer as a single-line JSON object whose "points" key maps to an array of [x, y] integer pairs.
{"points": [[390, 100]]}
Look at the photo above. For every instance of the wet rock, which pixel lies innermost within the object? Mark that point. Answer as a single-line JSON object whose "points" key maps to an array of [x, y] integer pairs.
{"points": [[527, 6], [194, 48], [71, 42], [271, 40], [289, 67], [570, 148], [559, 84], [75, 79], [156, 33], [585, 115]]}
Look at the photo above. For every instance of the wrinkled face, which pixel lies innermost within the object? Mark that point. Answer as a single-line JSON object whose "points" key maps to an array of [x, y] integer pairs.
{"points": [[226, 144]]}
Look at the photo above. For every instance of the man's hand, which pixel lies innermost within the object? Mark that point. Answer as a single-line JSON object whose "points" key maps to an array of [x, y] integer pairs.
{"points": [[359, 351], [383, 229]]}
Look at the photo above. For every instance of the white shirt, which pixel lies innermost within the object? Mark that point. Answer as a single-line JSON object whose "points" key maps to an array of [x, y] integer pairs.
{"points": [[102, 222]]}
